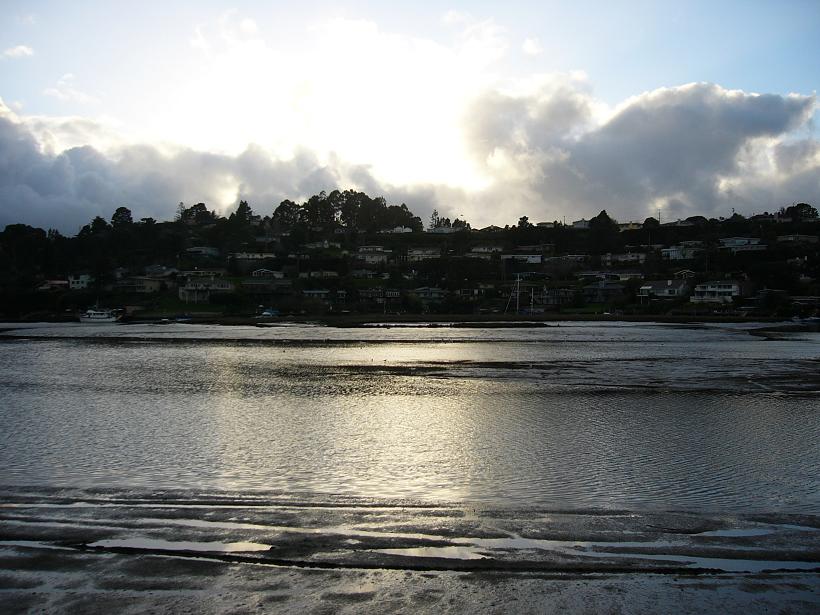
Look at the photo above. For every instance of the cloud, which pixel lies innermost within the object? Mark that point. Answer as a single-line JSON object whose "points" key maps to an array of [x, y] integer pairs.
{"points": [[692, 149], [65, 190], [66, 91], [532, 47], [20, 51], [547, 148]]}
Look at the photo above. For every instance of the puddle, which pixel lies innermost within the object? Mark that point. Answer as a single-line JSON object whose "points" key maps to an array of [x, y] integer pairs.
{"points": [[736, 533], [445, 552], [173, 545], [32, 544], [719, 563]]}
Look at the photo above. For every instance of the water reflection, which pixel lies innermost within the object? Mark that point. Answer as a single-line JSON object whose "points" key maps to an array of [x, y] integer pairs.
{"points": [[625, 417]]}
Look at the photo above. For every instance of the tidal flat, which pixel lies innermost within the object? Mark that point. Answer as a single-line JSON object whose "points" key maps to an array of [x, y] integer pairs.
{"points": [[634, 467]]}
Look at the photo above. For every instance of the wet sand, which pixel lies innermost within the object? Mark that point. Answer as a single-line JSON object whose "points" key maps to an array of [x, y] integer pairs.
{"points": [[70, 551]]}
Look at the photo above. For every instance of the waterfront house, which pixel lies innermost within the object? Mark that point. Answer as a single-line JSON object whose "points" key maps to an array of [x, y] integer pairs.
{"points": [[320, 294], [50, 285], [80, 281], [199, 289], [716, 291], [664, 289], [603, 291], [430, 294]]}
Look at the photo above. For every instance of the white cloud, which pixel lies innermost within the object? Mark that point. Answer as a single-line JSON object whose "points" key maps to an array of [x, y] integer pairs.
{"points": [[66, 91], [532, 47], [248, 26], [198, 40], [453, 17], [19, 51], [434, 124]]}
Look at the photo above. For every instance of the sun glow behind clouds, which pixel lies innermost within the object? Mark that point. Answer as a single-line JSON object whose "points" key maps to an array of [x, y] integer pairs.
{"points": [[371, 97]]}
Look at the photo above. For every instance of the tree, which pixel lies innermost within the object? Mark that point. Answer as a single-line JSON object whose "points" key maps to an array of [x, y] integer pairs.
{"points": [[196, 214], [242, 215], [801, 211], [121, 218], [651, 223], [524, 222], [603, 222], [603, 235], [287, 214], [97, 226], [434, 220]]}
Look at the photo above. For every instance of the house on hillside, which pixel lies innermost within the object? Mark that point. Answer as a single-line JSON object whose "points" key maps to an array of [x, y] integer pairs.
{"points": [[604, 291], [637, 258], [374, 255], [415, 255], [717, 291], [430, 294], [797, 239], [80, 281], [268, 273], [664, 289], [742, 244], [681, 252], [199, 289], [204, 251]]}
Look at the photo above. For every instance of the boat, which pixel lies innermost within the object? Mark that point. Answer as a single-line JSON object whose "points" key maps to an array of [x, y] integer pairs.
{"points": [[99, 315]]}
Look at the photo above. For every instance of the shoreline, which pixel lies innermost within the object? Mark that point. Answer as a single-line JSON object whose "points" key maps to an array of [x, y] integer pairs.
{"points": [[68, 552], [488, 320]]}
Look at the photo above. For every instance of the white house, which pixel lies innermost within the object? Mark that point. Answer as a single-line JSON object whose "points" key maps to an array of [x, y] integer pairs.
{"points": [[415, 255], [80, 281], [530, 259], [373, 255], [681, 252], [742, 244], [397, 230], [664, 289], [445, 230], [252, 256], [199, 290], [267, 273], [716, 291], [429, 293]]}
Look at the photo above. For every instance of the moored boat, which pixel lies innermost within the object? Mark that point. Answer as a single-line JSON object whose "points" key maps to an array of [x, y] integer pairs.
{"points": [[99, 315]]}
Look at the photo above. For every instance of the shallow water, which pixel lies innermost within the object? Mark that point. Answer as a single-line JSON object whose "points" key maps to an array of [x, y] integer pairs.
{"points": [[573, 416]]}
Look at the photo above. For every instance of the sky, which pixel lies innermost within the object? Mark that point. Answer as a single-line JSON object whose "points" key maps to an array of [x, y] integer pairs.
{"points": [[483, 110]]}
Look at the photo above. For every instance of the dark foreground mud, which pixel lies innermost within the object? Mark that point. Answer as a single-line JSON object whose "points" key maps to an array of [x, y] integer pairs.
{"points": [[70, 551]]}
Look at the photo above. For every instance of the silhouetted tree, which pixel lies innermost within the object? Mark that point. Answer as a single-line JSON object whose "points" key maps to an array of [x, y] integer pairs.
{"points": [[121, 218]]}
